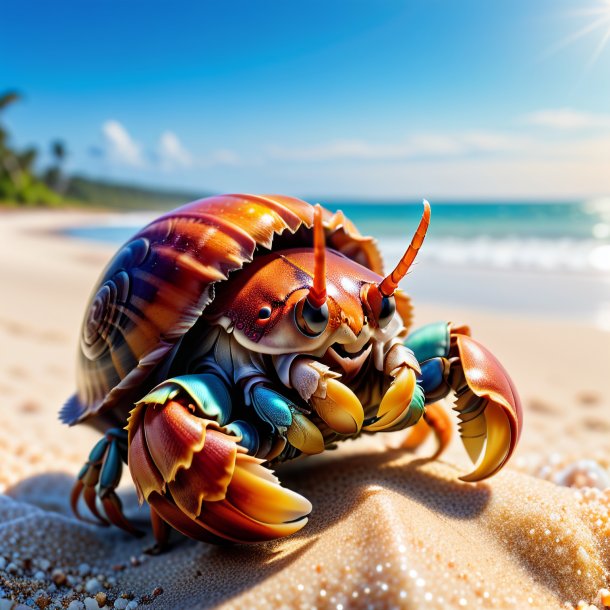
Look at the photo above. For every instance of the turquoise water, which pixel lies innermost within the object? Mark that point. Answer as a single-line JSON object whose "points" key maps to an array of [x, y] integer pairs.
{"points": [[457, 220], [468, 220], [549, 259]]}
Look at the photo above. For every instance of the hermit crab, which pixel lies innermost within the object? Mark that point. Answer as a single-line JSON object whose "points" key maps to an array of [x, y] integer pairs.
{"points": [[241, 331]]}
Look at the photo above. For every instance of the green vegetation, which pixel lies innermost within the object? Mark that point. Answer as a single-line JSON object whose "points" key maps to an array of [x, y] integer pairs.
{"points": [[20, 184], [96, 193]]}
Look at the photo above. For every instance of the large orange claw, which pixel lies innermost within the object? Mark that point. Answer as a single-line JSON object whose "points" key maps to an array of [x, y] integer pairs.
{"points": [[200, 481], [488, 405]]}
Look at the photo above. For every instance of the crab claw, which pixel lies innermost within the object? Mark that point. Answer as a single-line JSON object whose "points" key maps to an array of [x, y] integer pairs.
{"points": [[488, 406], [200, 481], [340, 408], [403, 401]]}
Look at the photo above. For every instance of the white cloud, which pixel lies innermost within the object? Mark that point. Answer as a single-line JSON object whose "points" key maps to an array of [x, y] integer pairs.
{"points": [[481, 178], [169, 155], [121, 147], [567, 118], [491, 141], [172, 153], [566, 159], [470, 163], [222, 156], [228, 157]]}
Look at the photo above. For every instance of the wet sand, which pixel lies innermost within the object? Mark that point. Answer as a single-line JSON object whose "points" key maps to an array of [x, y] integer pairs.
{"points": [[389, 529]]}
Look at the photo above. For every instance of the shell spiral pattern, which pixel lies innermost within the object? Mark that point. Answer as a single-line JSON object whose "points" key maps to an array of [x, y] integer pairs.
{"points": [[103, 316], [101, 319]]}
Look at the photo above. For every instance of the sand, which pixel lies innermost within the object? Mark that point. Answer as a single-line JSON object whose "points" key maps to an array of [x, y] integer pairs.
{"points": [[389, 529]]}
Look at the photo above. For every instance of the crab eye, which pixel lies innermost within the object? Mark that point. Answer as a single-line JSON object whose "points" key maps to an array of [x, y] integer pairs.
{"points": [[388, 308], [312, 321], [264, 313]]}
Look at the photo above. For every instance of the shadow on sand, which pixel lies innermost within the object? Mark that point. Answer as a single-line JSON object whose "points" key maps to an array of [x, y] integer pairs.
{"points": [[205, 575]]}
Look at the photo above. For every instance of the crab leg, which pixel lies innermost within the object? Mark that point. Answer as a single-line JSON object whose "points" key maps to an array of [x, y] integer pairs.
{"points": [[99, 478], [285, 417], [487, 403], [435, 420]]}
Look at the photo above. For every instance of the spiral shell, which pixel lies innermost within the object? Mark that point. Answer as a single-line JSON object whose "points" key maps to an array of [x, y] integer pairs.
{"points": [[101, 320], [158, 284]]}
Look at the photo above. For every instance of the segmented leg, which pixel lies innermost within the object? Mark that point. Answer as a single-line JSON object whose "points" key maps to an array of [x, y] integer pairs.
{"points": [[433, 376], [161, 531], [436, 420], [288, 420], [99, 478], [187, 463], [340, 408], [487, 403]]}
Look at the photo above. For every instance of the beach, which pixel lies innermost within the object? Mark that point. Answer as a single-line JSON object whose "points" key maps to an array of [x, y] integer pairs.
{"points": [[389, 528]]}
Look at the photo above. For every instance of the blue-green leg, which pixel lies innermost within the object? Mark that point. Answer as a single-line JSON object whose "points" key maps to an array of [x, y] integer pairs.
{"points": [[262, 427], [99, 478], [431, 345]]}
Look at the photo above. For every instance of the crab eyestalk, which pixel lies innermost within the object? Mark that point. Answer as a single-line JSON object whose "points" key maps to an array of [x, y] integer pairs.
{"points": [[312, 310], [317, 292]]}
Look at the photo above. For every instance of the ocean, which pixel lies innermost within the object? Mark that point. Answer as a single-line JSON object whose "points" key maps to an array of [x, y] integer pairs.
{"points": [[543, 259]]}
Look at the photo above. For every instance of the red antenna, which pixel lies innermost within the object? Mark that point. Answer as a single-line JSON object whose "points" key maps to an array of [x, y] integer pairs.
{"points": [[390, 282]]}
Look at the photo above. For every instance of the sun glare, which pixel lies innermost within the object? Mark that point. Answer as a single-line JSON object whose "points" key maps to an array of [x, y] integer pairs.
{"points": [[599, 23]]}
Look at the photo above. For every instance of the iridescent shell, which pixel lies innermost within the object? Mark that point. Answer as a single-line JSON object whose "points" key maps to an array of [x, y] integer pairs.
{"points": [[156, 287]]}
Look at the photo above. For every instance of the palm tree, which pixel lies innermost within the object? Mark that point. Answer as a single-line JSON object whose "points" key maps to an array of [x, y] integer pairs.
{"points": [[8, 162], [54, 176], [58, 149], [18, 180], [8, 98]]}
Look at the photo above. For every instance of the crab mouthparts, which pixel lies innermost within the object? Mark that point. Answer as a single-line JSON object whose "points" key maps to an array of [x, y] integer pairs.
{"points": [[350, 363]]}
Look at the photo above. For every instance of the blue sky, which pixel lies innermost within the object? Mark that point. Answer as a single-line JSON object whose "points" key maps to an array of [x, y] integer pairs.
{"points": [[443, 99]]}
